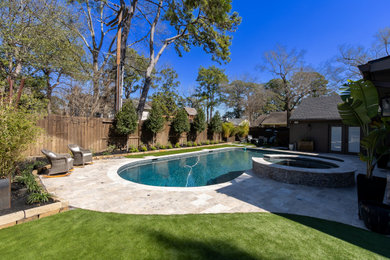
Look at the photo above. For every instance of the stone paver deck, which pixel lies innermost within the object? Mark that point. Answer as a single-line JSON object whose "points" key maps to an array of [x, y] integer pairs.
{"points": [[98, 187]]}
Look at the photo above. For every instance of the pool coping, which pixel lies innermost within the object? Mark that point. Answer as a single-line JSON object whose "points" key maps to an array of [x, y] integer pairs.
{"points": [[341, 167]]}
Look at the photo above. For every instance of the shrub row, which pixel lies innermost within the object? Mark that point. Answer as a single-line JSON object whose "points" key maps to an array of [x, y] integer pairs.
{"points": [[144, 147], [36, 193]]}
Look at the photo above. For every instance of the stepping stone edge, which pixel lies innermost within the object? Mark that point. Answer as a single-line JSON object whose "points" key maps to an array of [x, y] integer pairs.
{"points": [[27, 215]]}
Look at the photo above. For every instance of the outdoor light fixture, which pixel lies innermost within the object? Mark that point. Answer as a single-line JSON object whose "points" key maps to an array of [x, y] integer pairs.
{"points": [[385, 106]]}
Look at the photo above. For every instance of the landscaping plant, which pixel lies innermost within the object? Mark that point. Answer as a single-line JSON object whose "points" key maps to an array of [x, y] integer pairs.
{"points": [[110, 149], [180, 123], [143, 148], [243, 129], [199, 123], [133, 149], [38, 197], [125, 121], [360, 108], [17, 131], [36, 192], [227, 129], [155, 121], [215, 125]]}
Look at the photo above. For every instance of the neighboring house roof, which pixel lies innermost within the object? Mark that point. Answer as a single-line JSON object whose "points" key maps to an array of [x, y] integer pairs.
{"points": [[259, 120], [236, 121], [318, 108], [191, 111], [147, 105], [275, 119]]}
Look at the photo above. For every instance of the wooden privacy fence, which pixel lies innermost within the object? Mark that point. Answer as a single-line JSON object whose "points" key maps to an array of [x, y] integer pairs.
{"points": [[59, 131], [95, 134]]}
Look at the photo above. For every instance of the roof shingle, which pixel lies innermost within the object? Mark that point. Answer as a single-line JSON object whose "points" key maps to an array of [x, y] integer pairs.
{"points": [[318, 108], [275, 119]]}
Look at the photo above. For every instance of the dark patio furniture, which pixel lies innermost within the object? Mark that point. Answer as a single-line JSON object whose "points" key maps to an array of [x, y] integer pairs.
{"points": [[60, 163], [81, 155]]}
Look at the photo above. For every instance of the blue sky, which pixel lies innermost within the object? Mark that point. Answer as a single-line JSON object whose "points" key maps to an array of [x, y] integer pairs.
{"points": [[318, 27]]}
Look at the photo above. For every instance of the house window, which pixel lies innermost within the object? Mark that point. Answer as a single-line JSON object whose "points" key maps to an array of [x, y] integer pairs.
{"points": [[335, 140], [353, 139]]}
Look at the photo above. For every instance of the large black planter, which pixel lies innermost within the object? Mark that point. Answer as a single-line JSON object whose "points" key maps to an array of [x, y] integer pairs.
{"points": [[383, 161], [371, 189], [376, 216]]}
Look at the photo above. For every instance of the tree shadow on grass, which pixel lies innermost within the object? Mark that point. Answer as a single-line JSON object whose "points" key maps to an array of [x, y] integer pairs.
{"points": [[184, 248], [371, 241]]}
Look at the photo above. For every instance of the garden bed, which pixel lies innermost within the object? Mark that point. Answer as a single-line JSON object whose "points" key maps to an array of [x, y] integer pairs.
{"points": [[19, 196], [29, 199], [27, 190], [153, 152]]}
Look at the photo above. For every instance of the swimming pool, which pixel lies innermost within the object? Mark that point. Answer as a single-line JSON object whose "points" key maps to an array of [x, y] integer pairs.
{"points": [[191, 170]]}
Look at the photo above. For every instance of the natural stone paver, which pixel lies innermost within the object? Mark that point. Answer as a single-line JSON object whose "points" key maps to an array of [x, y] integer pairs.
{"points": [[12, 217], [98, 187], [216, 209], [42, 209]]}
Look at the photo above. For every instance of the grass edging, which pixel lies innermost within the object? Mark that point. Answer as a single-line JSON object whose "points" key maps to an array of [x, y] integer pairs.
{"points": [[100, 157], [179, 151]]}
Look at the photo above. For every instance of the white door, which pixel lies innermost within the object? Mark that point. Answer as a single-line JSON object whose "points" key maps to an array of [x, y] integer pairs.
{"points": [[335, 138], [353, 139]]}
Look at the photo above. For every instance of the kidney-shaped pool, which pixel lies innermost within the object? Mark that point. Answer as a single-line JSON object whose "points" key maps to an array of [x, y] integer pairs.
{"points": [[191, 170]]}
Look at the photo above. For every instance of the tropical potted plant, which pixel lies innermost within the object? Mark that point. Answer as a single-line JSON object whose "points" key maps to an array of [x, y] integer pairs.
{"points": [[360, 108]]}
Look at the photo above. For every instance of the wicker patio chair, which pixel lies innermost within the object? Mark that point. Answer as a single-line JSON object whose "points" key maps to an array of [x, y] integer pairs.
{"points": [[60, 163], [81, 156]]}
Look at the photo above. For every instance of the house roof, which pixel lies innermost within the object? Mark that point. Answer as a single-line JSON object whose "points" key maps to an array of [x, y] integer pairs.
{"points": [[275, 119], [191, 111], [318, 108], [378, 71], [259, 120], [236, 121], [147, 105]]}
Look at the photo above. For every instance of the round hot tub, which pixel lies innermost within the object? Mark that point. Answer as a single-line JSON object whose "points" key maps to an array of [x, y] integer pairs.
{"points": [[305, 170]]}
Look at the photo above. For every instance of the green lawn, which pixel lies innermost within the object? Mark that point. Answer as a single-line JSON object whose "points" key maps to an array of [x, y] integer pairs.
{"points": [[195, 149], [86, 234]]}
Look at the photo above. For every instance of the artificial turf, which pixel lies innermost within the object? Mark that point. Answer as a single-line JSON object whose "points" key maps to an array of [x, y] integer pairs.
{"points": [[179, 151], [86, 234]]}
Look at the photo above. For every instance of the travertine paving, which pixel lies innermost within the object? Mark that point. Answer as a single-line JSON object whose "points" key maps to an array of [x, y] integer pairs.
{"points": [[98, 187]]}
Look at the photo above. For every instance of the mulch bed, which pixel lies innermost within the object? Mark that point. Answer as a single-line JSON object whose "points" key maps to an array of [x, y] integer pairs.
{"points": [[19, 196]]}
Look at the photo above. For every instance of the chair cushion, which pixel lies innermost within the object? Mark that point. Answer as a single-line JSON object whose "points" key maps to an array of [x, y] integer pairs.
{"points": [[87, 154], [76, 149], [51, 154]]}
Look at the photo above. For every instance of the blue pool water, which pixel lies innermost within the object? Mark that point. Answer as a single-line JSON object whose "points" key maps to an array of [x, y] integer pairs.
{"points": [[197, 170]]}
